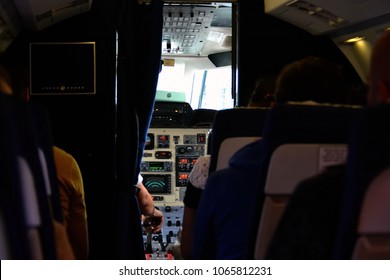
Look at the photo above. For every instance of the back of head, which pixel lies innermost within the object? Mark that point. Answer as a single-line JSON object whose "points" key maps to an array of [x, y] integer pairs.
{"points": [[379, 74], [263, 94], [16, 75], [311, 78]]}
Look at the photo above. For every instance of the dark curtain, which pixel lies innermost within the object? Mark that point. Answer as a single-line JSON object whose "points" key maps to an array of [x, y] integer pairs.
{"points": [[139, 57]]}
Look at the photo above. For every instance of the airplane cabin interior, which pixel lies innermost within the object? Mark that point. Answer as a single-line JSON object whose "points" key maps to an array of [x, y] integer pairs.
{"points": [[135, 86]]}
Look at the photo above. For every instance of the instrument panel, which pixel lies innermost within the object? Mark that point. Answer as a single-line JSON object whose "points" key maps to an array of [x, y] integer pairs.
{"points": [[169, 156]]}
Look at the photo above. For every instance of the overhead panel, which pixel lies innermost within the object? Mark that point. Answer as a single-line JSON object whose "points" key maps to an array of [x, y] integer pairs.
{"points": [[324, 16], [186, 28]]}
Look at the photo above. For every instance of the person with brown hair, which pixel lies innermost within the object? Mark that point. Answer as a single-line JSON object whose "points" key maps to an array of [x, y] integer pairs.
{"points": [[311, 79]]}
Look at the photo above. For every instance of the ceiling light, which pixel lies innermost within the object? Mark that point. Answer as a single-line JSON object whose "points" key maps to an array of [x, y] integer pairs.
{"points": [[353, 40]]}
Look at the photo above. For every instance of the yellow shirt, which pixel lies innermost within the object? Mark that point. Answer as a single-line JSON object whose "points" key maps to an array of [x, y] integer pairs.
{"points": [[71, 191]]}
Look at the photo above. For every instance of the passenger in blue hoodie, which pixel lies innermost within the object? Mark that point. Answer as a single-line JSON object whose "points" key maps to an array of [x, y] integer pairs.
{"points": [[221, 229]]}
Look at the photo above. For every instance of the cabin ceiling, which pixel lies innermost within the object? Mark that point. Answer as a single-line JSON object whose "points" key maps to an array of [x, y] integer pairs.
{"points": [[37, 15], [199, 28], [16, 15], [189, 29]]}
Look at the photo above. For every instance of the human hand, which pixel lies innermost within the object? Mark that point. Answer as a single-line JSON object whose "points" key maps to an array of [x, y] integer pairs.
{"points": [[153, 222]]}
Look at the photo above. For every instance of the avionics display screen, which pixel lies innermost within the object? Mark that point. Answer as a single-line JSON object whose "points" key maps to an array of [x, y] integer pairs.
{"points": [[157, 184], [62, 68], [155, 166], [149, 141]]}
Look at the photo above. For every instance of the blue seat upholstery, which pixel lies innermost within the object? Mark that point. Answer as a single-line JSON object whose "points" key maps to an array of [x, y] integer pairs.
{"points": [[227, 228], [298, 141], [244, 124], [368, 157]]}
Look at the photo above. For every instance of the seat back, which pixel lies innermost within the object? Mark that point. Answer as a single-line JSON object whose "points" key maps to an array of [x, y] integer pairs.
{"points": [[14, 224], [202, 118], [231, 145], [43, 138], [299, 141], [4, 241], [233, 129], [296, 162], [373, 231], [368, 157], [25, 207]]}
